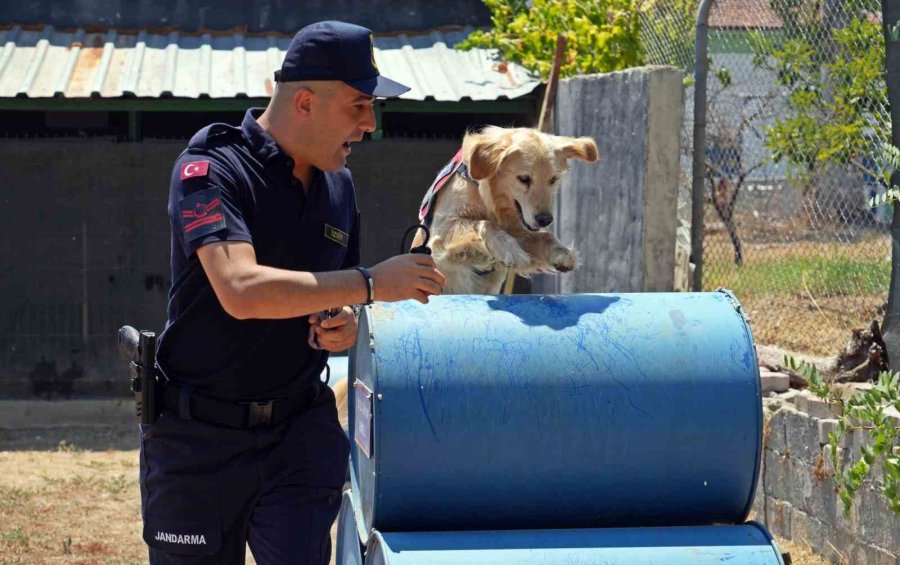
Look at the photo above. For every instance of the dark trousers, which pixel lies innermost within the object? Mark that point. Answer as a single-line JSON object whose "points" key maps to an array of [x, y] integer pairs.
{"points": [[208, 490]]}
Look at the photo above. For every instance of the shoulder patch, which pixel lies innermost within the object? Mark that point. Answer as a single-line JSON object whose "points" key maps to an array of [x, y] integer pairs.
{"points": [[194, 169], [201, 213]]}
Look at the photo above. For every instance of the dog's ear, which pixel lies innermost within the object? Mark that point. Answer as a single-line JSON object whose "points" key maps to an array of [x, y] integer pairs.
{"points": [[484, 151], [583, 148]]}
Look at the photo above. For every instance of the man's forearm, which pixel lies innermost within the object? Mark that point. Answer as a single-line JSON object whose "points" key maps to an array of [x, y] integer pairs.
{"points": [[269, 293]]}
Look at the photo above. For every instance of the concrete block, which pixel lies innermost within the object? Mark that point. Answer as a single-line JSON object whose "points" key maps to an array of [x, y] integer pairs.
{"points": [[843, 548], [826, 426], [858, 438], [828, 467], [774, 382], [877, 556], [790, 395], [846, 548], [759, 496], [823, 499], [799, 484], [801, 436], [808, 530], [818, 408], [801, 401], [774, 432], [778, 517], [775, 475], [877, 524]]}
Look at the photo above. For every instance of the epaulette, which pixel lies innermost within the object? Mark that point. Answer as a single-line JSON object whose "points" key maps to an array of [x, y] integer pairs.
{"points": [[213, 134]]}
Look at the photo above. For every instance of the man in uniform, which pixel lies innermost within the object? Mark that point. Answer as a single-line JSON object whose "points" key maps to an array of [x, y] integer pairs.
{"points": [[265, 239]]}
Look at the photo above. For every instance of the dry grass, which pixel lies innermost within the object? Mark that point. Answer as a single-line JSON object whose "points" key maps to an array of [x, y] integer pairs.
{"points": [[68, 504], [70, 507], [803, 296]]}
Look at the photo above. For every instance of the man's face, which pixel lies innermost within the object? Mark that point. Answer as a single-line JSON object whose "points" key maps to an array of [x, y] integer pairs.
{"points": [[340, 116]]}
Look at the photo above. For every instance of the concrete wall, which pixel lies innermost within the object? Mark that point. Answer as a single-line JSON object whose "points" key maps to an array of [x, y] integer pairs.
{"points": [[621, 212], [796, 496], [60, 199]]}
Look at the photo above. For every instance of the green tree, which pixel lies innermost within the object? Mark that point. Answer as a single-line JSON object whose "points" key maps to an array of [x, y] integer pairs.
{"points": [[837, 94], [602, 35]]}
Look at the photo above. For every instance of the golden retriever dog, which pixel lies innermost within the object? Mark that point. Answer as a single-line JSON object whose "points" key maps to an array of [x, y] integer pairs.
{"points": [[495, 218]]}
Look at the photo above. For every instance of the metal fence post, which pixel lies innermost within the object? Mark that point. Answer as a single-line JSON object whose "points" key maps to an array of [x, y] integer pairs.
{"points": [[890, 328]]}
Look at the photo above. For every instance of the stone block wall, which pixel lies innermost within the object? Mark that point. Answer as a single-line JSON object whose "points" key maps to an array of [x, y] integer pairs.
{"points": [[796, 496]]}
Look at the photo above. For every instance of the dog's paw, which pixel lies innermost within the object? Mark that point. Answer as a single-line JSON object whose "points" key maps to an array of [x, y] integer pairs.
{"points": [[563, 260], [510, 253]]}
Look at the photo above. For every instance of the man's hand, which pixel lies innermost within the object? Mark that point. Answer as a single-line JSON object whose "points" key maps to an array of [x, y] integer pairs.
{"points": [[333, 334], [407, 276]]}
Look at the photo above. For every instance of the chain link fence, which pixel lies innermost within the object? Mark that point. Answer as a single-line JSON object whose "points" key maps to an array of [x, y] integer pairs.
{"points": [[796, 129]]}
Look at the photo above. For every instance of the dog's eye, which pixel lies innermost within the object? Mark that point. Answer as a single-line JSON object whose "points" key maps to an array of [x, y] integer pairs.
{"points": [[553, 180], [524, 179]]}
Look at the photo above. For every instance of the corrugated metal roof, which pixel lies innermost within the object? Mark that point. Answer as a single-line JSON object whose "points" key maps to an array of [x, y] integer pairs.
{"points": [[79, 64]]}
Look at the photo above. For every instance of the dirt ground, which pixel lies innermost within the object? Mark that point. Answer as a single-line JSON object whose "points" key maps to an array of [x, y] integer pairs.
{"points": [[71, 496]]}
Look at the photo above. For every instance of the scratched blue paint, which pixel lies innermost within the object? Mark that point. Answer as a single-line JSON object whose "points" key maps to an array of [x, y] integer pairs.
{"points": [[579, 411], [746, 544]]}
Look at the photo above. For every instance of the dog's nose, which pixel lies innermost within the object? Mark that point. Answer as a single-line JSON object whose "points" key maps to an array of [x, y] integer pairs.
{"points": [[543, 219]]}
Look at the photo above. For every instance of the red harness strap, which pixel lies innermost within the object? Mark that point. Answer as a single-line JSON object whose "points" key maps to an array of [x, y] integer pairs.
{"points": [[426, 212]]}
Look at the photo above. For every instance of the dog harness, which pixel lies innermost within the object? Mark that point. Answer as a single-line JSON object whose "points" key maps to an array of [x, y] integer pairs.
{"points": [[456, 165], [426, 210]]}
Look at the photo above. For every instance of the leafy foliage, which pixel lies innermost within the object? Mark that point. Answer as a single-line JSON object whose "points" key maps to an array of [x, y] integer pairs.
{"points": [[837, 93], [864, 411], [601, 35]]}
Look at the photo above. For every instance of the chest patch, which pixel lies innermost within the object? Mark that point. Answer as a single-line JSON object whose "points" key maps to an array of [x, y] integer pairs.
{"points": [[201, 213], [336, 235]]}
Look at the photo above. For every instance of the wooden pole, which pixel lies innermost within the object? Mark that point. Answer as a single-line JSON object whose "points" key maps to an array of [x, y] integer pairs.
{"points": [[546, 108]]}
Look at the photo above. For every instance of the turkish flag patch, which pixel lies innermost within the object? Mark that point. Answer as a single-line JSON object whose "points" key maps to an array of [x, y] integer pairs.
{"points": [[202, 213], [194, 169]]}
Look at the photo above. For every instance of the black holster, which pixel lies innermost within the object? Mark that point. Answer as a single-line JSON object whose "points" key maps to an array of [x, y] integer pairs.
{"points": [[139, 348]]}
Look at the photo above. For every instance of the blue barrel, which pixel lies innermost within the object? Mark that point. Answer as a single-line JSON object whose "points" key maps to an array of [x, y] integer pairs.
{"points": [[570, 411], [747, 544], [348, 547]]}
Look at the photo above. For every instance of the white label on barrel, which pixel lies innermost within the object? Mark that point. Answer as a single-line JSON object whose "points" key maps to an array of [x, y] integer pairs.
{"points": [[362, 432]]}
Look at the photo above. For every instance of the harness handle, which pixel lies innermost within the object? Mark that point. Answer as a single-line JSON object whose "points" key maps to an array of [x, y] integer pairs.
{"points": [[419, 248]]}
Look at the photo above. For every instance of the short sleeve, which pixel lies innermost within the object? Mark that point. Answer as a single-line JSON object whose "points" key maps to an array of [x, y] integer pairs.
{"points": [[206, 202]]}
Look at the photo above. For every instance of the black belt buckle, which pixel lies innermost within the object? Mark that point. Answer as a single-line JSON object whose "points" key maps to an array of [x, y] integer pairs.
{"points": [[259, 413]]}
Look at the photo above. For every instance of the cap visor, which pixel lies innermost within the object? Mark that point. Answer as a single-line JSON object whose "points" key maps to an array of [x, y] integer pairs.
{"points": [[379, 86]]}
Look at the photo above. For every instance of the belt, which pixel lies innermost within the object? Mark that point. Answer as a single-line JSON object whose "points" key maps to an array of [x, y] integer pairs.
{"points": [[192, 405]]}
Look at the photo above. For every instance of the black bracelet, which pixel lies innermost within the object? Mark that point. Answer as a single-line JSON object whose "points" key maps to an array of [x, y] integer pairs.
{"points": [[370, 284]]}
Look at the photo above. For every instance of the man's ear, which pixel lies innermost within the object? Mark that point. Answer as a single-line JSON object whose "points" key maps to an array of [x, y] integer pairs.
{"points": [[583, 148], [484, 151], [303, 101]]}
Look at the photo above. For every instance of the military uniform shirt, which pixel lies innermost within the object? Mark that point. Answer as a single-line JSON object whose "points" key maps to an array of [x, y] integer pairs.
{"points": [[236, 184]]}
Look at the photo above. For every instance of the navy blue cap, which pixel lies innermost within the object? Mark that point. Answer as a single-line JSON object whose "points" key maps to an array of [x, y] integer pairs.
{"points": [[337, 51]]}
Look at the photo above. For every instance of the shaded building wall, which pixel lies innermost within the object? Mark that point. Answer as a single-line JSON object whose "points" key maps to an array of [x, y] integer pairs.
{"points": [[253, 15], [83, 221]]}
